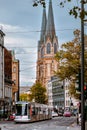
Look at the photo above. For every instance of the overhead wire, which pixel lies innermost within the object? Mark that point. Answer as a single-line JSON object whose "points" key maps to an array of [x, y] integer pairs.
{"points": [[42, 30], [27, 68], [21, 46], [26, 53]]}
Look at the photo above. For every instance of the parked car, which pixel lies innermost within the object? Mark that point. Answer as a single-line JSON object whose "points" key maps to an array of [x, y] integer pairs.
{"points": [[54, 114], [67, 113], [11, 116]]}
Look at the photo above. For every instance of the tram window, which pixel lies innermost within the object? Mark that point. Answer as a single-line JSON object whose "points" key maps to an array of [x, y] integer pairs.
{"points": [[36, 110], [25, 110], [18, 109], [21, 109], [29, 107], [33, 110], [39, 108], [44, 111]]}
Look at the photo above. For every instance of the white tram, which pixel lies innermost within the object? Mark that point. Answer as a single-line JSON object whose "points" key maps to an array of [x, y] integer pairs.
{"points": [[31, 111]]}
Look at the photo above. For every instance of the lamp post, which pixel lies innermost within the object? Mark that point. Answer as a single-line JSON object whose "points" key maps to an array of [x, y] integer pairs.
{"points": [[82, 69], [18, 96]]}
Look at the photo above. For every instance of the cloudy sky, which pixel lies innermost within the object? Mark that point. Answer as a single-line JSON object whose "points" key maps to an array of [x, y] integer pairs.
{"points": [[21, 22]]}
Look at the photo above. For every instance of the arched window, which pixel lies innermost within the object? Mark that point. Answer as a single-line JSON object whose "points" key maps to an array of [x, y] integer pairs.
{"points": [[48, 48], [42, 52], [55, 48]]}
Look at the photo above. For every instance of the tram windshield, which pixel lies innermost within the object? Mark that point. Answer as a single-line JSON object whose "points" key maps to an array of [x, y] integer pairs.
{"points": [[21, 109]]}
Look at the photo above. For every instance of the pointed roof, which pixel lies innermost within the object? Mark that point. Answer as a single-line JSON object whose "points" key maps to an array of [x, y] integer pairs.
{"points": [[1, 32], [50, 28], [43, 27]]}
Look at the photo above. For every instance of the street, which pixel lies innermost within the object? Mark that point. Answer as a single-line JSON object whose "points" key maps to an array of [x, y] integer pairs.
{"points": [[61, 123]]}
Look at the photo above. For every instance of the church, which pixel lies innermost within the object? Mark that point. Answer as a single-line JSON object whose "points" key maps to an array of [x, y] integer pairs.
{"points": [[47, 48]]}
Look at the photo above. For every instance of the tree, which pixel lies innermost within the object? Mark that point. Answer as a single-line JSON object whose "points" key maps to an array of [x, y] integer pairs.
{"points": [[37, 2], [75, 11], [69, 62], [24, 97], [69, 58], [38, 93], [73, 92]]}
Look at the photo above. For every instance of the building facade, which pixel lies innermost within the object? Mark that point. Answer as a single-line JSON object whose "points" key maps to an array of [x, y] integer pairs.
{"points": [[7, 79], [70, 102], [47, 48], [1, 70], [15, 78], [56, 97]]}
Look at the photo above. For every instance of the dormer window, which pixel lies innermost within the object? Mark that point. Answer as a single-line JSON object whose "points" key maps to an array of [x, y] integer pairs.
{"points": [[48, 48]]}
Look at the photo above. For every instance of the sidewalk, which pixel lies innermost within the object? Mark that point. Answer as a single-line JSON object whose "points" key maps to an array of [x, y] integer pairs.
{"points": [[74, 127]]}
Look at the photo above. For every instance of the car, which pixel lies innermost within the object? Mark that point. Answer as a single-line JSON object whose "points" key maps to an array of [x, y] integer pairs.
{"points": [[12, 116], [54, 114], [67, 113], [60, 112]]}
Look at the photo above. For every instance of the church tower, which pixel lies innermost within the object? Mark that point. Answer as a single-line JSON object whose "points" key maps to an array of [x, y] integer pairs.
{"points": [[47, 48]]}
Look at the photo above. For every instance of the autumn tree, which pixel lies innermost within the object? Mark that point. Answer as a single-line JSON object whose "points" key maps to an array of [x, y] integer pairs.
{"points": [[24, 97], [69, 57], [38, 93], [69, 62]]}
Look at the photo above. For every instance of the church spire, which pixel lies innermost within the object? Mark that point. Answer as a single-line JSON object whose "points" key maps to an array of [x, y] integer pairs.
{"points": [[43, 27], [50, 28]]}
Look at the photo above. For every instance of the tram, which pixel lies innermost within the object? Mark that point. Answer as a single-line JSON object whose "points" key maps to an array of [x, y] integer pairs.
{"points": [[31, 112]]}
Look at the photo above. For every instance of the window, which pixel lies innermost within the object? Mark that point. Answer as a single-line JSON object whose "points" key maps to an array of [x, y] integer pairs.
{"points": [[55, 48], [48, 48], [42, 52], [21, 109]]}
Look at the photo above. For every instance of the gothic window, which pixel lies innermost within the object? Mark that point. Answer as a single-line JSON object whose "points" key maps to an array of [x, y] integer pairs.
{"points": [[55, 48], [48, 48], [42, 52]]}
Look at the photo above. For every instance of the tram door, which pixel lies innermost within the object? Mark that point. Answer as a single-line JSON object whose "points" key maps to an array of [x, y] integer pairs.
{"points": [[29, 111]]}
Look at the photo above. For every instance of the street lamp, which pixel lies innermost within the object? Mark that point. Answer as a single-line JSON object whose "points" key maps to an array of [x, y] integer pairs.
{"points": [[82, 69]]}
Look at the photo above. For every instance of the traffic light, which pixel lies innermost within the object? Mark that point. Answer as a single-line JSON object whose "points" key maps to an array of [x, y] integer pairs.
{"points": [[85, 92], [78, 82]]}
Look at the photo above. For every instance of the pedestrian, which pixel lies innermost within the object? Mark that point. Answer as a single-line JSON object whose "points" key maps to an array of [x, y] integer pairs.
{"points": [[77, 119]]}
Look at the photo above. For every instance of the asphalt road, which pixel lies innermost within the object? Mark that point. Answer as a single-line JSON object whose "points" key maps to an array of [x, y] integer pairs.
{"points": [[57, 123]]}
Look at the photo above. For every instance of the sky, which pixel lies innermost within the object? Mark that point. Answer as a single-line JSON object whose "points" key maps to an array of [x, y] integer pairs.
{"points": [[21, 23]]}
